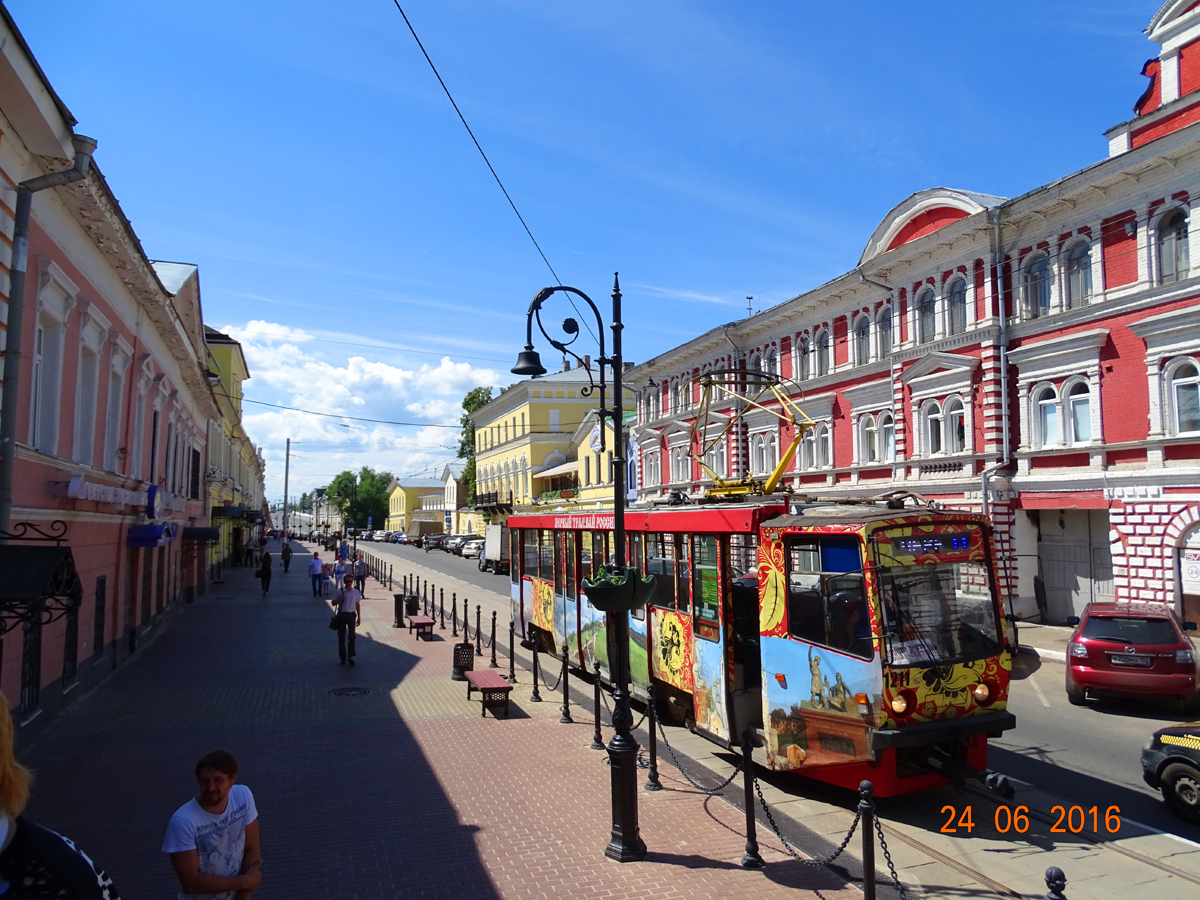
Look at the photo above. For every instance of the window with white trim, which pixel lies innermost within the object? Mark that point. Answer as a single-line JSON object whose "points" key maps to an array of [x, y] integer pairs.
{"points": [[824, 454], [1173, 247], [868, 439], [803, 359], [933, 428], [772, 362], [1079, 275], [956, 307], [1045, 415], [862, 341], [955, 420], [926, 316], [1037, 288], [1079, 413], [1185, 398], [885, 330], [887, 436], [824, 354]]}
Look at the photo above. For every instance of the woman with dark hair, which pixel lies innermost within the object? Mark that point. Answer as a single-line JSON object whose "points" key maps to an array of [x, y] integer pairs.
{"points": [[36, 861]]}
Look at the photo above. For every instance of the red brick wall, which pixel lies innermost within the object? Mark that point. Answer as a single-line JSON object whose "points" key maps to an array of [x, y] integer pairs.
{"points": [[1175, 121], [1189, 68], [925, 223], [1120, 250], [841, 349], [1152, 98]]}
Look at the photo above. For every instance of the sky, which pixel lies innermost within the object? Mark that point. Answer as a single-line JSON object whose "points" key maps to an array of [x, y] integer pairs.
{"points": [[349, 234]]}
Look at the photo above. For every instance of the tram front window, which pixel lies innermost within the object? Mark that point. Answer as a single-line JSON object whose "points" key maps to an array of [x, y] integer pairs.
{"points": [[825, 600], [939, 606]]}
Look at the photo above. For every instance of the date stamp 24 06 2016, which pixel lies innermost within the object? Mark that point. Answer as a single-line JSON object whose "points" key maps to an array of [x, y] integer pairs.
{"points": [[1015, 819]]}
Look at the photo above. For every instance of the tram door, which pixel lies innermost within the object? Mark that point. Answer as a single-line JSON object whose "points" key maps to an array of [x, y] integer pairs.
{"points": [[708, 560], [745, 705]]}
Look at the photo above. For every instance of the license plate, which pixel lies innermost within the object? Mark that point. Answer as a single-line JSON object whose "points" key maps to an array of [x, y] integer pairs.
{"points": [[1124, 659]]}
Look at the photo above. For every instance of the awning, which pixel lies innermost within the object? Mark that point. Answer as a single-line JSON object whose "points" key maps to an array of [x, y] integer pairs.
{"points": [[226, 512], [208, 535], [569, 468], [152, 534], [39, 583]]}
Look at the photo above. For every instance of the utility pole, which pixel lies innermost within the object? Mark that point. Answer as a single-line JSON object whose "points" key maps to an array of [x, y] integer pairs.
{"points": [[287, 462]]}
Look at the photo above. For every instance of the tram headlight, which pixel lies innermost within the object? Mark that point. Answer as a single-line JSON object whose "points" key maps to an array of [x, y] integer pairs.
{"points": [[899, 704], [982, 693]]}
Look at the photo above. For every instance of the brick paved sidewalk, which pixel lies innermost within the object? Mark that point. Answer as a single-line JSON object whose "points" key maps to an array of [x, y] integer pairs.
{"points": [[400, 792]]}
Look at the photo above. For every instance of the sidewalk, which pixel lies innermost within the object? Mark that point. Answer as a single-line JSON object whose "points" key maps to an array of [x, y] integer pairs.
{"points": [[395, 788], [1044, 641]]}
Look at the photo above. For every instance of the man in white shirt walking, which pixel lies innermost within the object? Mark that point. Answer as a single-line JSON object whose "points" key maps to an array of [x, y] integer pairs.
{"points": [[316, 571], [213, 838], [347, 602]]}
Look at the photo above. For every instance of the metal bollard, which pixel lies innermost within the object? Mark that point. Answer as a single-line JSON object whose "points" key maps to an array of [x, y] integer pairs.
{"points": [[425, 604], [390, 569], [493, 664], [751, 859], [1056, 881], [537, 697], [454, 614], [512, 657], [399, 620], [597, 737], [478, 632], [566, 704], [442, 606], [866, 825], [652, 782]]}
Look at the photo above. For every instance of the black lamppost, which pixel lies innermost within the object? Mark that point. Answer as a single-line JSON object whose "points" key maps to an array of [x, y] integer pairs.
{"points": [[626, 844]]}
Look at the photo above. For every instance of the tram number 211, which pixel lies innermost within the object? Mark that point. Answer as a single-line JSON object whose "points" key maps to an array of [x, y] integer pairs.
{"points": [[1062, 819]]}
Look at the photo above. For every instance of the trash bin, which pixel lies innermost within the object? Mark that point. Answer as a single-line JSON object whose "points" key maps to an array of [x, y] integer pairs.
{"points": [[464, 661], [412, 604]]}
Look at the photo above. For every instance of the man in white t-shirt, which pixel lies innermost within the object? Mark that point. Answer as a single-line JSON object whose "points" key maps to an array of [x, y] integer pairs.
{"points": [[213, 838], [316, 571], [347, 602]]}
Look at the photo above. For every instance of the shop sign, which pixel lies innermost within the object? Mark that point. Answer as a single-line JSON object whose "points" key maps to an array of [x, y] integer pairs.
{"points": [[80, 489]]}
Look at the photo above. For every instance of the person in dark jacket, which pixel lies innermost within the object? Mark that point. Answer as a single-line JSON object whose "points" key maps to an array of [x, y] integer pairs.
{"points": [[264, 572]]}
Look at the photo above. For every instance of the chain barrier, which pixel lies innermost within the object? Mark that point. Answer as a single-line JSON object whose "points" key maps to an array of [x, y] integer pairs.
{"points": [[888, 858], [720, 787], [791, 850], [546, 684], [636, 725]]}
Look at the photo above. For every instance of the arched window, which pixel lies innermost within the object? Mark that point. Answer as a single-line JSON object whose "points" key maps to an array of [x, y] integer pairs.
{"points": [[1185, 398], [824, 354], [885, 331], [868, 438], [1079, 275], [823, 458], [758, 462], [933, 428], [1037, 288], [1045, 408], [887, 436], [771, 452], [957, 306], [681, 395], [804, 360], [808, 449], [1173, 247], [956, 426], [926, 317], [862, 342], [772, 365], [1079, 413]]}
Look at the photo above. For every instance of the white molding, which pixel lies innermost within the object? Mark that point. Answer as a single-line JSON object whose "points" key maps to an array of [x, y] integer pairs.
{"points": [[1072, 354], [939, 374], [870, 397]]}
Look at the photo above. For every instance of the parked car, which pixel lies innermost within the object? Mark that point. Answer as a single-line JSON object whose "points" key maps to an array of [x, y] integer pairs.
{"points": [[1133, 650], [433, 541], [393, 537], [471, 549], [1171, 764], [407, 538], [455, 542]]}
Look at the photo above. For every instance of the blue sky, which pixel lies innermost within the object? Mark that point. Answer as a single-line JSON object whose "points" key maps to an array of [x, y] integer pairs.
{"points": [[347, 231]]}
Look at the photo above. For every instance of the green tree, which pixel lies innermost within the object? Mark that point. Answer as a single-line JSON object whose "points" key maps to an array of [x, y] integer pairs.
{"points": [[361, 497], [476, 398]]}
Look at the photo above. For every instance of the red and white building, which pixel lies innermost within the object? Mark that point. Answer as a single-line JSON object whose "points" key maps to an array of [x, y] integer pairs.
{"points": [[114, 414], [1041, 351]]}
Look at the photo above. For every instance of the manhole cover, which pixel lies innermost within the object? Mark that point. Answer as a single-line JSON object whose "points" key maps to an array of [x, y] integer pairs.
{"points": [[350, 692]]}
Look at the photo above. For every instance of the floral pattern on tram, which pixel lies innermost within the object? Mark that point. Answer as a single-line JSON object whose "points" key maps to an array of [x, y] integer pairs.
{"points": [[809, 706], [944, 692], [671, 645], [543, 605]]}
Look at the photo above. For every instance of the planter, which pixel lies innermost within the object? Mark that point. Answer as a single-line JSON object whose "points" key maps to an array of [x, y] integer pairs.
{"points": [[614, 591]]}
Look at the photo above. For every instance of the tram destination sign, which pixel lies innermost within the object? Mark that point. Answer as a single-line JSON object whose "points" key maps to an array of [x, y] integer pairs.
{"points": [[585, 522], [953, 542]]}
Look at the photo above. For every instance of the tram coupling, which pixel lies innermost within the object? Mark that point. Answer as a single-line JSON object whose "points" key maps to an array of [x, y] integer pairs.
{"points": [[957, 771]]}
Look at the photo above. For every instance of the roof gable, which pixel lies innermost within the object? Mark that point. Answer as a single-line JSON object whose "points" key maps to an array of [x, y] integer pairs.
{"points": [[923, 213]]}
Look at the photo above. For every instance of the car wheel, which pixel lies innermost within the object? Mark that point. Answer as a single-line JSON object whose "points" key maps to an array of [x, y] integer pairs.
{"points": [[482, 566], [1076, 696], [1181, 789]]}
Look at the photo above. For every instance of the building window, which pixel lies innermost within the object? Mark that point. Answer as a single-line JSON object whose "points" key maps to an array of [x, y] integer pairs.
{"points": [[1046, 416], [955, 420], [957, 304], [933, 428], [1079, 275], [47, 370], [869, 440], [887, 436], [804, 362], [1079, 413], [885, 331], [587, 471], [1185, 398], [85, 405], [1173, 247], [824, 458], [862, 342], [772, 363], [715, 457], [808, 449], [824, 354], [926, 317], [1037, 288], [758, 462]]}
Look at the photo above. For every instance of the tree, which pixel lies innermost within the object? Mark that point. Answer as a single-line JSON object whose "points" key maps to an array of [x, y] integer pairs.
{"points": [[361, 497], [476, 399]]}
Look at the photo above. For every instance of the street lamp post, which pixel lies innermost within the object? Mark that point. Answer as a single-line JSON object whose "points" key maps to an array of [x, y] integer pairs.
{"points": [[625, 844]]}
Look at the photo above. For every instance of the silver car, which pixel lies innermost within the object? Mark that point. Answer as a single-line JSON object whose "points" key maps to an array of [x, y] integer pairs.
{"points": [[472, 549]]}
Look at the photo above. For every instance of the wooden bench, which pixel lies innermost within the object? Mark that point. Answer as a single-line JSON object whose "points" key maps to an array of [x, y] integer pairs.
{"points": [[492, 687], [423, 624]]}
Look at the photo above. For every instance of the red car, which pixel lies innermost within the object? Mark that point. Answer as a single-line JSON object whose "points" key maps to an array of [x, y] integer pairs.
{"points": [[1134, 650]]}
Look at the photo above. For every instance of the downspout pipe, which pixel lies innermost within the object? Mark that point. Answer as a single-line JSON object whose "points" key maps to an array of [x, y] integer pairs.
{"points": [[84, 148], [998, 262]]}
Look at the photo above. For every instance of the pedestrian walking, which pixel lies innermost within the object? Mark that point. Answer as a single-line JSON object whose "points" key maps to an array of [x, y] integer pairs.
{"points": [[349, 616], [343, 551], [213, 838], [326, 578], [264, 572], [286, 556], [316, 572], [360, 575], [36, 862], [339, 574]]}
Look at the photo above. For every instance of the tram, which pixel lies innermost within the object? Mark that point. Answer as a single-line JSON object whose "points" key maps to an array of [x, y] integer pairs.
{"points": [[860, 640]]}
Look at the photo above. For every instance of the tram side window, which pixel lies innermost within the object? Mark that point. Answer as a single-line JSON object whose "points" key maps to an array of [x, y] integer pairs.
{"points": [[529, 537], [707, 590], [660, 565], [516, 547], [683, 571], [558, 562], [635, 558], [569, 563], [585, 555], [826, 601], [546, 556], [599, 550]]}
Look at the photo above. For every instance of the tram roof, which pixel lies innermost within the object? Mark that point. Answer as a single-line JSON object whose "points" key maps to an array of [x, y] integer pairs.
{"points": [[827, 513]]}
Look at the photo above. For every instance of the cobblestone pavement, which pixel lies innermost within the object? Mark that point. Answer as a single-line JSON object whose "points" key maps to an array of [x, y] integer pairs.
{"points": [[404, 791]]}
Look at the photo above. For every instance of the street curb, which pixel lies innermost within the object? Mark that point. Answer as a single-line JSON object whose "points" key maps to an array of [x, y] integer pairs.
{"points": [[1056, 655]]}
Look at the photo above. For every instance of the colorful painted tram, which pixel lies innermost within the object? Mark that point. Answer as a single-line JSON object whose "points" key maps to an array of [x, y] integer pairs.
{"points": [[859, 640]]}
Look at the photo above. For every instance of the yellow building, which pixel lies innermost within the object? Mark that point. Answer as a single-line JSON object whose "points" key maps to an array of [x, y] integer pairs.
{"points": [[404, 499], [523, 441]]}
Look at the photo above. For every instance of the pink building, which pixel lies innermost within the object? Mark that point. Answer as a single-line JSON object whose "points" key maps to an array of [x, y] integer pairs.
{"points": [[1036, 356], [113, 410]]}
